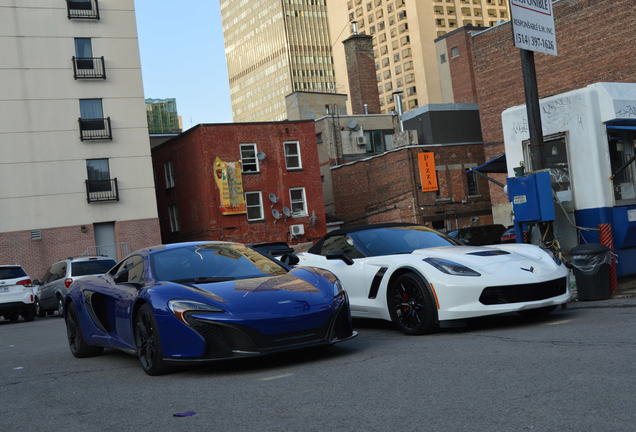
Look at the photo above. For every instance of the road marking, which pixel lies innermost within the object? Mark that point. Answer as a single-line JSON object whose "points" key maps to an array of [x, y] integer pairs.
{"points": [[18, 368], [11, 346], [275, 377], [559, 322]]}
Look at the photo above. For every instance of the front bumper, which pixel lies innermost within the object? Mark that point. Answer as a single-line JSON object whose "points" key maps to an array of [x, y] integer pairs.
{"points": [[230, 340]]}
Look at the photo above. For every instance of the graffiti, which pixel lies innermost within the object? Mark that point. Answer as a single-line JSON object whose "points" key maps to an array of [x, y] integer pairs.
{"points": [[520, 127], [626, 111]]}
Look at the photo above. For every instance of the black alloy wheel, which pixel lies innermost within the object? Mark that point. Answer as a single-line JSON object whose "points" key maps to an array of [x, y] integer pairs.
{"points": [[79, 347], [148, 342], [412, 306]]}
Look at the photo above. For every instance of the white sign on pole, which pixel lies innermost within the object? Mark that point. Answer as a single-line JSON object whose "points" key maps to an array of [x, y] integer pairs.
{"points": [[533, 25]]}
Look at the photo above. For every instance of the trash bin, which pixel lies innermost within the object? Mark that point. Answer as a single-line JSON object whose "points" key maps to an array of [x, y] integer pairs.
{"points": [[591, 264]]}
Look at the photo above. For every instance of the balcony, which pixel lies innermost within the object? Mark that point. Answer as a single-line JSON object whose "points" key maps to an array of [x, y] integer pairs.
{"points": [[89, 68], [82, 9], [102, 190], [95, 129]]}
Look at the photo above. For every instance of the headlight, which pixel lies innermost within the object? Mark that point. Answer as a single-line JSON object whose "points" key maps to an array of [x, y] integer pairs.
{"points": [[180, 307], [556, 259], [450, 267], [338, 290]]}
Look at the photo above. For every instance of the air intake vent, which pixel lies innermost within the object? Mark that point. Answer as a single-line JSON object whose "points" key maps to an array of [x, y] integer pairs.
{"points": [[489, 253], [36, 234]]}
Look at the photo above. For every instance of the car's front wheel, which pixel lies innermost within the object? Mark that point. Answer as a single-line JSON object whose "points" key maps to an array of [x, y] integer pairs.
{"points": [[412, 306], [148, 342], [77, 344]]}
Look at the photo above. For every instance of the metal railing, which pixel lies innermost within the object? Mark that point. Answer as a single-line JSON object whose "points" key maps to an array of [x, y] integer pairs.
{"points": [[82, 9], [95, 129], [89, 68], [102, 190]]}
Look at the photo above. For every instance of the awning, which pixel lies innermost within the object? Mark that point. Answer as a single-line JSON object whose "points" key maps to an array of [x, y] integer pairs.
{"points": [[494, 165], [621, 124]]}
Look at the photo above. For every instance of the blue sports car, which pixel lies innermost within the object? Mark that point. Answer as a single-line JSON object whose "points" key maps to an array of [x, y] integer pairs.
{"points": [[195, 302]]}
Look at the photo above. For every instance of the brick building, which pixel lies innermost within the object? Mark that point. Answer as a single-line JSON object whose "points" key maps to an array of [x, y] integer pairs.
{"points": [[387, 188], [279, 159], [595, 43]]}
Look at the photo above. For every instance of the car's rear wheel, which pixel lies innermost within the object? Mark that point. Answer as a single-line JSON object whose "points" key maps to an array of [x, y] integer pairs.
{"points": [[77, 344], [60, 307], [412, 306], [148, 342], [537, 313], [13, 317], [41, 313]]}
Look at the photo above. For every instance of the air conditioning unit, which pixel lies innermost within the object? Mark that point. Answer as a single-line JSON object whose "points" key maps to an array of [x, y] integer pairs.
{"points": [[361, 140], [297, 230]]}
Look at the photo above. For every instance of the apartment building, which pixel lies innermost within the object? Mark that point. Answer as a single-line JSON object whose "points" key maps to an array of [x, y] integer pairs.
{"points": [[403, 38], [75, 167], [273, 48]]}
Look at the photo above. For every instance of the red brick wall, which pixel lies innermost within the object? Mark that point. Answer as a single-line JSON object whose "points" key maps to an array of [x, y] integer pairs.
{"points": [[595, 42], [363, 83], [197, 197], [461, 67], [388, 189], [35, 256]]}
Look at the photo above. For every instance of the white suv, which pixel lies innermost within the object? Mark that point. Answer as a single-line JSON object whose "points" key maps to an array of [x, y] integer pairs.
{"points": [[16, 293]]}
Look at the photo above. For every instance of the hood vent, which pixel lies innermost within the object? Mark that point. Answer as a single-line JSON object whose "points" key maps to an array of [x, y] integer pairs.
{"points": [[493, 252]]}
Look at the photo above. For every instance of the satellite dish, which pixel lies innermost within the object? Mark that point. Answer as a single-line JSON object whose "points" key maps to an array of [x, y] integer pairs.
{"points": [[276, 214], [261, 156], [353, 125], [273, 198], [286, 212]]}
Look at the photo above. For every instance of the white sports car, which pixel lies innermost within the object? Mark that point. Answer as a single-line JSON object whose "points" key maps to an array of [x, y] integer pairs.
{"points": [[417, 277]]}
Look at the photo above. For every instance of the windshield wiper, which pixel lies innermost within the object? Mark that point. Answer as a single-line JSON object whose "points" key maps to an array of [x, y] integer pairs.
{"points": [[203, 279]]}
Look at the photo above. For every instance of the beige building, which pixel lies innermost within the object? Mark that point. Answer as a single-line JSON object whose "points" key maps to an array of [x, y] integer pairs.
{"points": [[274, 48], [403, 37], [75, 167]]}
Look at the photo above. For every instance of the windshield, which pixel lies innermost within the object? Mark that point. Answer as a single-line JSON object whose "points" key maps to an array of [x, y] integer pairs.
{"points": [[11, 272], [83, 268], [397, 240], [212, 263]]}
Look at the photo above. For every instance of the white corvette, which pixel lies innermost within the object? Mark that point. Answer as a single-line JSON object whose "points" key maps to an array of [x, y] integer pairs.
{"points": [[417, 277]]}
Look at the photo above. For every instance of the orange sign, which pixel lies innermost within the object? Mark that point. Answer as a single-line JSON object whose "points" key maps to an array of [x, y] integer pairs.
{"points": [[428, 177]]}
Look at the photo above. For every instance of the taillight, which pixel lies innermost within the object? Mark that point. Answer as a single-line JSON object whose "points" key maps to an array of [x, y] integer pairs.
{"points": [[26, 282], [68, 282]]}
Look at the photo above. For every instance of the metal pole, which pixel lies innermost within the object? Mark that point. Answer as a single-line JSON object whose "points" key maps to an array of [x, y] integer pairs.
{"points": [[533, 109]]}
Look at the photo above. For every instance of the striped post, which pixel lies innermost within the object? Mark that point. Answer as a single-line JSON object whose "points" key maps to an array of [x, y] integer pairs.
{"points": [[607, 239]]}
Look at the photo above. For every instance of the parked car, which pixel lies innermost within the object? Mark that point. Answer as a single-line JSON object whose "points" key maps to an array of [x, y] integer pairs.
{"points": [[479, 235], [59, 277], [196, 302], [274, 249], [16, 293], [416, 277]]}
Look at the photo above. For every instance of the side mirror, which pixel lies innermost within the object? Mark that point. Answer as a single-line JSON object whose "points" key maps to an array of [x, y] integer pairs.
{"points": [[339, 255], [36, 282], [290, 259], [122, 277]]}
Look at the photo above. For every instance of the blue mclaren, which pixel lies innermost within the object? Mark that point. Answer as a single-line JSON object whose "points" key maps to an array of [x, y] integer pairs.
{"points": [[196, 302]]}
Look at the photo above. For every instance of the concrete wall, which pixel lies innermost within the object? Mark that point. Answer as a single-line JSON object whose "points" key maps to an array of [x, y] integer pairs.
{"points": [[310, 106]]}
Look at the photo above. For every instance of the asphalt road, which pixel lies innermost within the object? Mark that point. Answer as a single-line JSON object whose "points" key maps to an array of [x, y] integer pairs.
{"points": [[573, 371]]}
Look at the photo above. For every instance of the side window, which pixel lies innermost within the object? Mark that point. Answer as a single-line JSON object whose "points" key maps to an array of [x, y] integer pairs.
{"points": [[343, 243], [131, 270], [57, 271]]}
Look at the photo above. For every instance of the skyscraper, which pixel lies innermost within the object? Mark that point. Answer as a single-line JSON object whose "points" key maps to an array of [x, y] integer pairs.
{"points": [[273, 48], [403, 37]]}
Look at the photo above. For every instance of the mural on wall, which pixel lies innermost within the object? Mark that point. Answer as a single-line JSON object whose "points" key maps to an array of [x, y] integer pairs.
{"points": [[229, 179]]}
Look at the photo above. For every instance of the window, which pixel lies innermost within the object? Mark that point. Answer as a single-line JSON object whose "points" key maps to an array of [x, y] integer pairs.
{"points": [[298, 202], [454, 52], [471, 183], [84, 50], [249, 158], [442, 58], [167, 170], [292, 155], [91, 109], [98, 175], [555, 159], [174, 218], [254, 204], [340, 243], [622, 149], [131, 271]]}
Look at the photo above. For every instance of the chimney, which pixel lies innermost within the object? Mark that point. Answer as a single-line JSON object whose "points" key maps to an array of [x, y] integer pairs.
{"points": [[363, 84], [397, 97]]}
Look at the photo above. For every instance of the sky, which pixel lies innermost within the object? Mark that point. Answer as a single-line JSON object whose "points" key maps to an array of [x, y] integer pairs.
{"points": [[182, 57]]}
